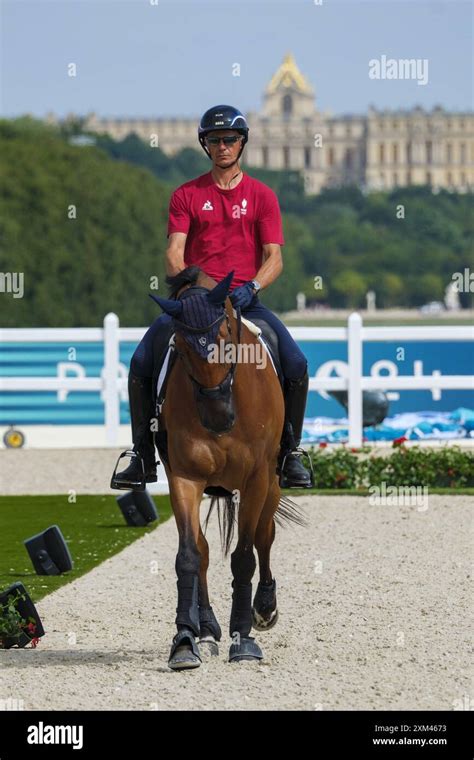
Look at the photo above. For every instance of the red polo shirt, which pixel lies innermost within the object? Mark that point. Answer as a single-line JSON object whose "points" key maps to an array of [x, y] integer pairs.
{"points": [[226, 228]]}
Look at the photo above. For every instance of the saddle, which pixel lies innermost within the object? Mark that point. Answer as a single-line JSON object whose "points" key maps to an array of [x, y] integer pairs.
{"points": [[164, 359]]}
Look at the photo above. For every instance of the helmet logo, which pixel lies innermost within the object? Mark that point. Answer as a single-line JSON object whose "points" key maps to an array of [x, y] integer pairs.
{"points": [[219, 122]]}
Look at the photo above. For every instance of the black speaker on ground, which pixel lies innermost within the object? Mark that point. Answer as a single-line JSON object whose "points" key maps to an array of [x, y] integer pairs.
{"points": [[20, 635], [49, 552], [138, 508]]}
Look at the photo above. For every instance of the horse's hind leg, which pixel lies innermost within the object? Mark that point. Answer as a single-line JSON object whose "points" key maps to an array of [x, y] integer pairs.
{"points": [[264, 609], [210, 632]]}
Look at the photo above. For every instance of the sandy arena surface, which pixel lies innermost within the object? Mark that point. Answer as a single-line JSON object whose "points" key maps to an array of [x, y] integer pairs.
{"points": [[374, 613]]}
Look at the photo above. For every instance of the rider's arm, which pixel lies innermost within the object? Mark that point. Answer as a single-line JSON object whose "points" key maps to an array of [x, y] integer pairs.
{"points": [[272, 265], [175, 253], [179, 221], [270, 232]]}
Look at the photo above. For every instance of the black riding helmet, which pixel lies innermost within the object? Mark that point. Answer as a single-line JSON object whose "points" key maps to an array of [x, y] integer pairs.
{"points": [[223, 117]]}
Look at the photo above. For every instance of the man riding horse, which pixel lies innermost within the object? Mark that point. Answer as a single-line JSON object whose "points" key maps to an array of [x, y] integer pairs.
{"points": [[223, 220]]}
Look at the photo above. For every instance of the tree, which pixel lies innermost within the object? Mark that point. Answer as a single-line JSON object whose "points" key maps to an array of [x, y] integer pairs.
{"points": [[348, 288], [389, 290], [428, 287], [101, 258]]}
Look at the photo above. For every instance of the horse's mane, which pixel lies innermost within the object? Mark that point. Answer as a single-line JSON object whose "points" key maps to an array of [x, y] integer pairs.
{"points": [[187, 276]]}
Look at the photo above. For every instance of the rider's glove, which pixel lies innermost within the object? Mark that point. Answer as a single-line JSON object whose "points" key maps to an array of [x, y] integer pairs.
{"points": [[242, 296]]}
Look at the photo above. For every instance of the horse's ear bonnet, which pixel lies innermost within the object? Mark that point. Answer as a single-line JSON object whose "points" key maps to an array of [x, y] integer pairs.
{"points": [[199, 312]]}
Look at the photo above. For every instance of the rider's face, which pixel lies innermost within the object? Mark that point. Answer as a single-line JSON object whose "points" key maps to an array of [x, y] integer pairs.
{"points": [[221, 153]]}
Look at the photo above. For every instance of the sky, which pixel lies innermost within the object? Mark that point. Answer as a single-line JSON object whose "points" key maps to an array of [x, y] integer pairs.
{"points": [[162, 58]]}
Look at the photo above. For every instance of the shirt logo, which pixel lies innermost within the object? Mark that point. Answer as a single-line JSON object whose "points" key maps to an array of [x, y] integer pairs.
{"points": [[208, 206], [238, 211]]}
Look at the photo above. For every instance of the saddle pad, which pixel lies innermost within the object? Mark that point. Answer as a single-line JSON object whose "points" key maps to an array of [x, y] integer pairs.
{"points": [[267, 348], [164, 367], [254, 329], [257, 331]]}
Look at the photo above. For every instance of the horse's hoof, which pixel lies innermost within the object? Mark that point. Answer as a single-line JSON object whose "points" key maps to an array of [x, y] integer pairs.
{"points": [[184, 653], [184, 659], [260, 623], [246, 649], [264, 608], [209, 646]]}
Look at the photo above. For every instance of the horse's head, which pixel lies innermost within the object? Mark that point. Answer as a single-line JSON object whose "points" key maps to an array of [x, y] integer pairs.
{"points": [[203, 322]]}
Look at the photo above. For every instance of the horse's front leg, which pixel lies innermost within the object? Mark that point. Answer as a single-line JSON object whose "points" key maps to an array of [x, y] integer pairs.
{"points": [[243, 565], [185, 499], [210, 632]]}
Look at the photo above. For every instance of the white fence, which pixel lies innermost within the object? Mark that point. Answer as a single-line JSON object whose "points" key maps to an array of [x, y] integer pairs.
{"points": [[112, 382]]}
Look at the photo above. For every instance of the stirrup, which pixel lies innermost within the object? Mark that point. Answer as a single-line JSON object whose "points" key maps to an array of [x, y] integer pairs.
{"points": [[284, 482], [127, 485]]}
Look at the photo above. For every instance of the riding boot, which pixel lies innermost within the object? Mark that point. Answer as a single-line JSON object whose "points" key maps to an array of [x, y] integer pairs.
{"points": [[292, 472], [142, 468]]}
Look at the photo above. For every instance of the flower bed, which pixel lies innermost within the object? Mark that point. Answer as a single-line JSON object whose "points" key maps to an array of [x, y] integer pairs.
{"points": [[343, 468]]}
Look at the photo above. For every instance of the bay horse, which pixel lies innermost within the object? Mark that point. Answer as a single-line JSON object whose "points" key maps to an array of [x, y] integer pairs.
{"points": [[223, 422]]}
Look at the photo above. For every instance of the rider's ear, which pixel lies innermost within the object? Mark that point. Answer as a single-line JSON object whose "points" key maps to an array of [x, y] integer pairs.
{"points": [[173, 308], [218, 294]]}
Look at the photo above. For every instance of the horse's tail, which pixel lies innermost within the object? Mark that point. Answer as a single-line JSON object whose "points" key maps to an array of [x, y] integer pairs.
{"points": [[287, 512], [226, 513]]}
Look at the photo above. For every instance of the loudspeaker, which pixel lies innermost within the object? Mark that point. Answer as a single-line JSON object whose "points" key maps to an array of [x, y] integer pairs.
{"points": [[26, 609], [138, 508], [49, 552]]}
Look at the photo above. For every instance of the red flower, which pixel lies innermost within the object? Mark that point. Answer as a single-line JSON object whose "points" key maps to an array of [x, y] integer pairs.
{"points": [[450, 471], [34, 643], [354, 451], [322, 445], [399, 441]]}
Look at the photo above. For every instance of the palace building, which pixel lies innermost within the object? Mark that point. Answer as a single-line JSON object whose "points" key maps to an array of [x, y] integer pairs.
{"points": [[378, 150]]}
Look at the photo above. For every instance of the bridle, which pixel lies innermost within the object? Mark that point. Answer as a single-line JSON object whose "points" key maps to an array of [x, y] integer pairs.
{"points": [[225, 385]]}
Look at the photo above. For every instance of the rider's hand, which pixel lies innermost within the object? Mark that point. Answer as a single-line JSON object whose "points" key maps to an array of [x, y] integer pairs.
{"points": [[242, 296]]}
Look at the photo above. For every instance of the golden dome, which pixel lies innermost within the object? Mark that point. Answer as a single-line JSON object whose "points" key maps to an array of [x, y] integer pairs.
{"points": [[289, 75]]}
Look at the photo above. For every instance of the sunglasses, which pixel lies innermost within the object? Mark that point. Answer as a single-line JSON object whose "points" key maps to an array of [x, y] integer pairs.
{"points": [[228, 140]]}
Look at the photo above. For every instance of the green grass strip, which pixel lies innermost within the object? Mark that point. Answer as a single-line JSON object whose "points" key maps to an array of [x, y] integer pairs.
{"points": [[93, 527]]}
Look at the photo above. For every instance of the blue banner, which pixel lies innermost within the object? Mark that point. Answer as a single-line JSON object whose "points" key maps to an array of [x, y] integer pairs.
{"points": [[324, 359]]}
